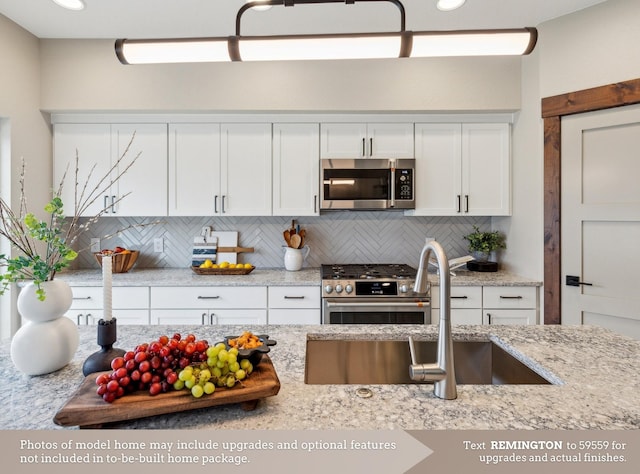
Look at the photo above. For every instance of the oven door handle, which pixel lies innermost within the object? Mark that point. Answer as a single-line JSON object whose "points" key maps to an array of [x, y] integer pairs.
{"points": [[413, 304]]}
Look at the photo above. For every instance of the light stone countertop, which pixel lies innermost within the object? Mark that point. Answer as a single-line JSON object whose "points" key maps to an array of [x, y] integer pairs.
{"points": [[596, 375], [264, 277]]}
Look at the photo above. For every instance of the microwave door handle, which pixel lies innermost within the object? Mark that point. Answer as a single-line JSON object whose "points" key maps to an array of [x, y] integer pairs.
{"points": [[392, 200]]}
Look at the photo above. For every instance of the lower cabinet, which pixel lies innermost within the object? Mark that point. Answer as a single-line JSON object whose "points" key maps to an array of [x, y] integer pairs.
{"points": [[510, 305], [130, 305], [466, 305], [294, 305], [209, 305], [489, 305]]}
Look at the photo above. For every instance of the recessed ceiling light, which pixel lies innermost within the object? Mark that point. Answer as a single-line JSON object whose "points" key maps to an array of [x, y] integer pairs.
{"points": [[70, 4], [447, 5]]}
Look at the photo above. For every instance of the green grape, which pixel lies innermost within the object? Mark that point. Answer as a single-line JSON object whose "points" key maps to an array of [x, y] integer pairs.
{"points": [[234, 367], [220, 346], [209, 388], [216, 372], [191, 382], [221, 364], [240, 374], [205, 375], [231, 357], [231, 381], [197, 391], [223, 355], [244, 363], [178, 385], [212, 361]]}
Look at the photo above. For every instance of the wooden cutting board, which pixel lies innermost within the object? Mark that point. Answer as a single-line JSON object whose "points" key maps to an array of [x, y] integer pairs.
{"points": [[87, 410], [226, 238]]}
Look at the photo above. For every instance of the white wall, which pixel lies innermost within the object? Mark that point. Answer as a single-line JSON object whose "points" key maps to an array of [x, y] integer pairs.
{"points": [[25, 131], [85, 75]]}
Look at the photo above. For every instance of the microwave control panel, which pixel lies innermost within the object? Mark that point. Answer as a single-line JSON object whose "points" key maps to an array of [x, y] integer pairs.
{"points": [[404, 184]]}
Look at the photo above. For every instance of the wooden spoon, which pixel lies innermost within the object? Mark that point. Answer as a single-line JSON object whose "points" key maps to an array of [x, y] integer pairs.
{"points": [[287, 237], [296, 241]]}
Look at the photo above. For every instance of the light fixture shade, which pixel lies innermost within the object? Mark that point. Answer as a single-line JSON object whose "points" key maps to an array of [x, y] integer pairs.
{"points": [[318, 47], [474, 43], [191, 50]]}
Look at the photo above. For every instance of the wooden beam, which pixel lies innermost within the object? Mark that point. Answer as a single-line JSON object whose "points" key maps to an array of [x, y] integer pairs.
{"points": [[588, 100], [552, 270]]}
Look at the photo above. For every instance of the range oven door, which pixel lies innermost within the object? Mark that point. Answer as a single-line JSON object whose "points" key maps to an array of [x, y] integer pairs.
{"points": [[376, 311]]}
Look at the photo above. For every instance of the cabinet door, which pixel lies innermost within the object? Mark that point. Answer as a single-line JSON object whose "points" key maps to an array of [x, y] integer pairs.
{"points": [[246, 169], [239, 317], [183, 316], [294, 316], [146, 180], [390, 140], [438, 169], [194, 169], [507, 316], [486, 165], [92, 143], [343, 140], [296, 169]]}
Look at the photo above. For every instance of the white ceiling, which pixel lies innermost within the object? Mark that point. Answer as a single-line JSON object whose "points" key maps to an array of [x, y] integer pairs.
{"points": [[192, 18]]}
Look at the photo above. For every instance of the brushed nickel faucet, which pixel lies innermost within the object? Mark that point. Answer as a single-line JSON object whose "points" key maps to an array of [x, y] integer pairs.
{"points": [[441, 372]]}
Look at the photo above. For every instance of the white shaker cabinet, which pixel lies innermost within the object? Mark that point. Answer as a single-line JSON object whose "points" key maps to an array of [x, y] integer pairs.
{"points": [[209, 305], [463, 169], [466, 305], [294, 305], [510, 305], [194, 169], [102, 145], [130, 305], [366, 140], [245, 171], [296, 169]]}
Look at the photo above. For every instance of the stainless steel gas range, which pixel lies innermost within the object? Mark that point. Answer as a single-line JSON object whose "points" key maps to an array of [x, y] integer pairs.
{"points": [[372, 294]]}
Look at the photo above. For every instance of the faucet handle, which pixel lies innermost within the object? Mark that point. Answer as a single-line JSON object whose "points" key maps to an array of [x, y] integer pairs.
{"points": [[412, 350]]}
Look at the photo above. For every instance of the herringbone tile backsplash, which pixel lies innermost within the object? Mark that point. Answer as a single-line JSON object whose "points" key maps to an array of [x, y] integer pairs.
{"points": [[335, 237]]}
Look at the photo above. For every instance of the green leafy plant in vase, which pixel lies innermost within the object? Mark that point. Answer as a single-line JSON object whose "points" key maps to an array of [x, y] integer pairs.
{"points": [[481, 244]]}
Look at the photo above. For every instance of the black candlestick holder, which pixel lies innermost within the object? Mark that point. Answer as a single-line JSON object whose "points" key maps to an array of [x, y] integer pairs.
{"points": [[101, 360]]}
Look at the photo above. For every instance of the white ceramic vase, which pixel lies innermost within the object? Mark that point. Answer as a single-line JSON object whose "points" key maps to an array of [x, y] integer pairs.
{"points": [[48, 340], [294, 258]]}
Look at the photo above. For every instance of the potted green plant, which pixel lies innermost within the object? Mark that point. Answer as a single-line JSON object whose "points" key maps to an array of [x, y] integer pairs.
{"points": [[481, 244]]}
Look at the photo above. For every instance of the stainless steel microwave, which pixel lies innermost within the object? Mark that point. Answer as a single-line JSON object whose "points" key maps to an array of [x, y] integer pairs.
{"points": [[367, 183]]}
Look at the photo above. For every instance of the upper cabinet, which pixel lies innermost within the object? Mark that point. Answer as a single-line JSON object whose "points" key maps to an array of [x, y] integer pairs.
{"points": [[366, 140], [463, 169], [296, 171], [140, 190], [245, 171], [194, 169]]}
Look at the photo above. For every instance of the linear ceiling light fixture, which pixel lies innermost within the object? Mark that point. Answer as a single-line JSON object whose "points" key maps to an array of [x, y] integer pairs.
{"points": [[398, 44]]}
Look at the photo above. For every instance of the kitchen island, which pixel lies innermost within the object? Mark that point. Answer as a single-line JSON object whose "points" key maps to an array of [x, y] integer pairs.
{"points": [[594, 375]]}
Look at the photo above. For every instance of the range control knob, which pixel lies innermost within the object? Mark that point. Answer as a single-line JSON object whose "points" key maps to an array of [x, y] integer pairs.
{"points": [[338, 288], [348, 289], [328, 289], [404, 288]]}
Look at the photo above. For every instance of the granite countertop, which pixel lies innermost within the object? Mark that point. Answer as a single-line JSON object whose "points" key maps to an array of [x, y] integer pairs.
{"points": [[595, 375], [265, 277]]}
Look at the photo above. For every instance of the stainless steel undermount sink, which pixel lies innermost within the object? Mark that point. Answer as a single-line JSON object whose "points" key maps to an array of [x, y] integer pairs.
{"points": [[345, 361]]}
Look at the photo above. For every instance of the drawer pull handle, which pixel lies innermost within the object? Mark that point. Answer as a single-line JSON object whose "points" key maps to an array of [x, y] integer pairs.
{"points": [[459, 297], [293, 297], [510, 297], [208, 297], [81, 298]]}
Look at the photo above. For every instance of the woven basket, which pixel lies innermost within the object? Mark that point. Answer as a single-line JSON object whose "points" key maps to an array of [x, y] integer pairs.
{"points": [[120, 262]]}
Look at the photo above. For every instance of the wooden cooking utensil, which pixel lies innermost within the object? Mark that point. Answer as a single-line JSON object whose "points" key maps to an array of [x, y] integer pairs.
{"points": [[296, 241]]}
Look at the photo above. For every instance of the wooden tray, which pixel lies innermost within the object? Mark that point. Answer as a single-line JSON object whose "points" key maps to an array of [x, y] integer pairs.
{"points": [[86, 409], [222, 271]]}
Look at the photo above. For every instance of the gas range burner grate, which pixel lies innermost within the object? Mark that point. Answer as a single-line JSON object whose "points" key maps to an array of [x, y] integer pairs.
{"points": [[368, 271]]}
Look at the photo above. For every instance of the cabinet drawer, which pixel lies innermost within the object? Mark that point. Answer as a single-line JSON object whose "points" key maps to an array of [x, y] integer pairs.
{"points": [[90, 297], [510, 297], [294, 316], [461, 297], [294, 297], [209, 297]]}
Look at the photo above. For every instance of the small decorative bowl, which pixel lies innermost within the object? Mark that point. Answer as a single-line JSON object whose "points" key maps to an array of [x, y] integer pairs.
{"points": [[254, 355], [121, 262]]}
